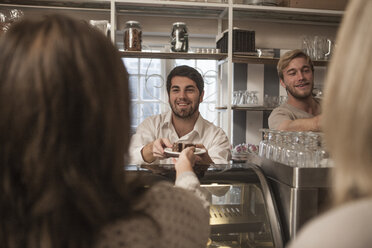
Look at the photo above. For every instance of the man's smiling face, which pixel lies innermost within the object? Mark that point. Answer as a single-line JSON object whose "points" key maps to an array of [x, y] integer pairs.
{"points": [[184, 97], [298, 78]]}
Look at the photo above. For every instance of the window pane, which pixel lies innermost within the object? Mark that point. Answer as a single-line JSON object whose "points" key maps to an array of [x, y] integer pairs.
{"points": [[132, 65], [150, 66], [150, 89], [133, 87], [210, 89], [188, 62], [149, 109], [208, 112], [134, 114], [207, 65]]}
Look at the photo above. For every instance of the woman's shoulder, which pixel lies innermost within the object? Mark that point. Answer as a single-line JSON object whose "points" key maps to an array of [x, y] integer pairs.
{"points": [[163, 196], [168, 217], [348, 225]]}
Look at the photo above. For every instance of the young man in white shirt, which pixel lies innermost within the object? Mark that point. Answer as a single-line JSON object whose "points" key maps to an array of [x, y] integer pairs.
{"points": [[183, 123]]}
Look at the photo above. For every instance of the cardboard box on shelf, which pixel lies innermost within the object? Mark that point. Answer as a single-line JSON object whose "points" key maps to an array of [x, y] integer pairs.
{"points": [[317, 4]]}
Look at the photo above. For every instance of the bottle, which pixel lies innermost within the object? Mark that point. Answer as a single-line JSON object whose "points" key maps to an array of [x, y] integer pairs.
{"points": [[132, 36], [179, 37]]}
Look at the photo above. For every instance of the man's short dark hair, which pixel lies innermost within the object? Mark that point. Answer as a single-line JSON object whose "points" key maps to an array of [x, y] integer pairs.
{"points": [[189, 72]]}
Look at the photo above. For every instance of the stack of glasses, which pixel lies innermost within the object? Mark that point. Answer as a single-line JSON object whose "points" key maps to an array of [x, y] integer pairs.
{"points": [[245, 98], [296, 149]]}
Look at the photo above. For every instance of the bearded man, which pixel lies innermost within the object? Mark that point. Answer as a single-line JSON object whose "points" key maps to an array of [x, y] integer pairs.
{"points": [[301, 112], [182, 123]]}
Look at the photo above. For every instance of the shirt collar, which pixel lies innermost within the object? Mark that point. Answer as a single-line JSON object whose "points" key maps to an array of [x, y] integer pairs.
{"points": [[168, 119], [198, 127]]}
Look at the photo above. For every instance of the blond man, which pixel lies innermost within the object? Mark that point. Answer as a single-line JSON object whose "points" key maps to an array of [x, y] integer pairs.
{"points": [[301, 112]]}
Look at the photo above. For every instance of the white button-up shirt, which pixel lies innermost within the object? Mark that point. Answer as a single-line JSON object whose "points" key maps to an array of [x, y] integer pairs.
{"points": [[160, 126]]}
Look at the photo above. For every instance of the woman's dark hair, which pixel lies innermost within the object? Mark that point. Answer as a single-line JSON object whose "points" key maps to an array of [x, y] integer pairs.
{"points": [[189, 72], [64, 133]]}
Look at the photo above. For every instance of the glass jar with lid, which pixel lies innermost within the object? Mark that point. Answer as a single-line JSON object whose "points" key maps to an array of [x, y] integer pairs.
{"points": [[179, 37], [132, 36]]}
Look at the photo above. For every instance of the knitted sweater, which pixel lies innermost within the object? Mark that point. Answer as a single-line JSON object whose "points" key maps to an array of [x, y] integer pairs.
{"points": [[176, 217]]}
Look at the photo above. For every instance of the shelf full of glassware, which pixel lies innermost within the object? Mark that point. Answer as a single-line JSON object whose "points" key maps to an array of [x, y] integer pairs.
{"points": [[298, 168], [295, 149], [226, 13]]}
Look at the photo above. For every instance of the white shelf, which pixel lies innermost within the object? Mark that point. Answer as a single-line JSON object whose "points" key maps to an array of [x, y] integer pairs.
{"points": [[171, 8], [288, 15], [173, 55]]}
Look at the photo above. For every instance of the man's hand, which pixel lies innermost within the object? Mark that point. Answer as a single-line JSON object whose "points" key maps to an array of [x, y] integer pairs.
{"points": [[155, 150]]}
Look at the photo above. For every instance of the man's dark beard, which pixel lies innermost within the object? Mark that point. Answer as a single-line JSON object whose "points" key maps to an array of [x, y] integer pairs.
{"points": [[193, 110]]}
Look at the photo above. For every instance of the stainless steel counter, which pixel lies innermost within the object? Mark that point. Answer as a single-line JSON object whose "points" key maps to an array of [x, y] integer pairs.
{"points": [[300, 193]]}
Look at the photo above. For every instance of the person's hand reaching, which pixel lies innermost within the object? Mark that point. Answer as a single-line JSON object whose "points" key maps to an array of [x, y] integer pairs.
{"points": [[186, 161]]}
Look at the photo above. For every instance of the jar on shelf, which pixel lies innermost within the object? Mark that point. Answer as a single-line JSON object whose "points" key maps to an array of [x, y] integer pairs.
{"points": [[179, 37], [132, 36]]}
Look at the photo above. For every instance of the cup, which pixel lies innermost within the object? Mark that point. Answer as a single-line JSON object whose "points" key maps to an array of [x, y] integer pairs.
{"points": [[322, 47], [317, 47]]}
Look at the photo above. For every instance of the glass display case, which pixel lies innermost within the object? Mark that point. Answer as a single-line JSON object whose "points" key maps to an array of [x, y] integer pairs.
{"points": [[243, 212]]}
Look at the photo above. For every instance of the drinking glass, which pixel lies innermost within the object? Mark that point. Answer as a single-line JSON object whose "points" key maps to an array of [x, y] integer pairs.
{"points": [[278, 146], [290, 153], [243, 98], [271, 144], [249, 97], [263, 143], [254, 97], [301, 152], [308, 46], [235, 98]]}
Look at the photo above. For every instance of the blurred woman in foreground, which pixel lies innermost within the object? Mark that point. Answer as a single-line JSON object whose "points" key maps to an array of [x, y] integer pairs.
{"points": [[347, 113], [64, 127]]}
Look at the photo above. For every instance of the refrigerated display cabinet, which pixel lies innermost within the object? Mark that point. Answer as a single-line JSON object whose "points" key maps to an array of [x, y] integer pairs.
{"points": [[243, 212]]}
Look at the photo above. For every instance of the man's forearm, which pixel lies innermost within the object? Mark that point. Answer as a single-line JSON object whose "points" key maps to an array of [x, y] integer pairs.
{"points": [[147, 154], [310, 124]]}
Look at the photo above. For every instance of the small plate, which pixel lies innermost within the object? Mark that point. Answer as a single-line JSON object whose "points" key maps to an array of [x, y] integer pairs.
{"points": [[198, 151]]}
